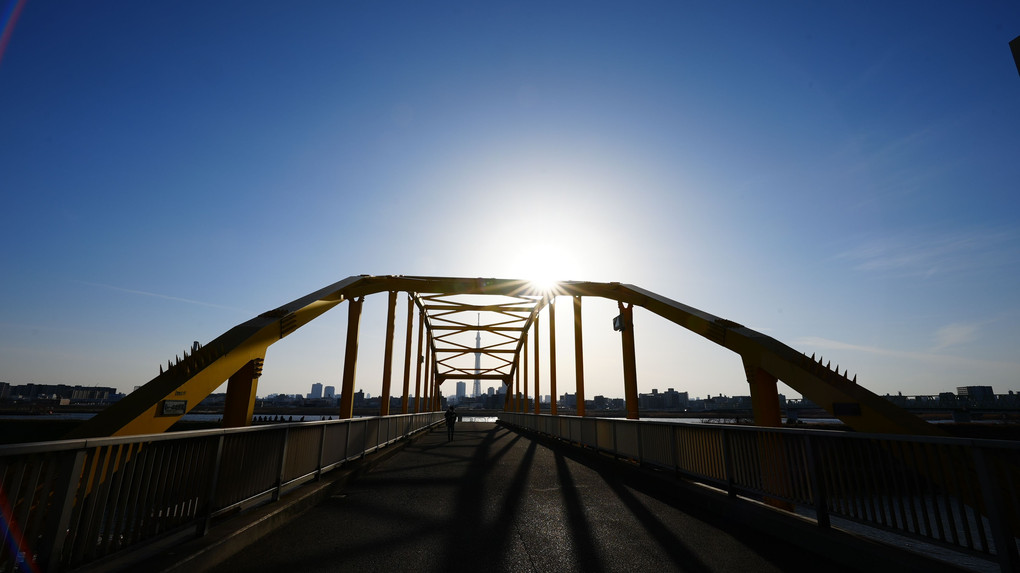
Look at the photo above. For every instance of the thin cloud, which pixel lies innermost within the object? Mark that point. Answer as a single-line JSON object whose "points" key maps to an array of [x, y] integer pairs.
{"points": [[926, 357], [954, 335], [927, 255], [164, 297]]}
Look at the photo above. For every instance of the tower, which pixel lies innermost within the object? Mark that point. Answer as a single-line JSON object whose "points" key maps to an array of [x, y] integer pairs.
{"points": [[478, 358]]}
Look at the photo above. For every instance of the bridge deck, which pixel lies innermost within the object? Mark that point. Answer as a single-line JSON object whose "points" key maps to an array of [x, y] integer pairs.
{"points": [[492, 500]]}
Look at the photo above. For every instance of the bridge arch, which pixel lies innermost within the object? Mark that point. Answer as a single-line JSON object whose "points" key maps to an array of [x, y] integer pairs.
{"points": [[237, 355]]}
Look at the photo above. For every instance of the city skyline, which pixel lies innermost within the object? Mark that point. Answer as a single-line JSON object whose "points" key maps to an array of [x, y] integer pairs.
{"points": [[841, 178]]}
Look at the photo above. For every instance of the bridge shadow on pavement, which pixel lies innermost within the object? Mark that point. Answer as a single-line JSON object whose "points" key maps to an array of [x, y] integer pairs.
{"points": [[493, 500]]}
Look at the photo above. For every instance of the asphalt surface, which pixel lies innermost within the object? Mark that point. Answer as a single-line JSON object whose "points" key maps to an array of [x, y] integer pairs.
{"points": [[493, 500]]}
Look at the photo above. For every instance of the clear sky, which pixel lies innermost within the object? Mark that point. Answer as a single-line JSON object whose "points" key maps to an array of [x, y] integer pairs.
{"points": [[842, 176]]}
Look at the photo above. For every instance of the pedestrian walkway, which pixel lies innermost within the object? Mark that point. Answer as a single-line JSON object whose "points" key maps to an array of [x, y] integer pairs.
{"points": [[493, 500]]}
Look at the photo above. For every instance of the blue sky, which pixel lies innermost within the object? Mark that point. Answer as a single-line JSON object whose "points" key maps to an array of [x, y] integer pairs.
{"points": [[841, 177]]}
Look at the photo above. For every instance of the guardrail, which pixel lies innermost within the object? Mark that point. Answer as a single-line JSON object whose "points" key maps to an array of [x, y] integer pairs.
{"points": [[69, 503], [959, 493]]}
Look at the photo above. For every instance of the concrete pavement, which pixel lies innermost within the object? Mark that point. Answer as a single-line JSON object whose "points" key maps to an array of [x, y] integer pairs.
{"points": [[493, 500]]}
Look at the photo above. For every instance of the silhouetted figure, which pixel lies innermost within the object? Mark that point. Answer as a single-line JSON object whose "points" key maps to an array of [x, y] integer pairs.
{"points": [[451, 419]]}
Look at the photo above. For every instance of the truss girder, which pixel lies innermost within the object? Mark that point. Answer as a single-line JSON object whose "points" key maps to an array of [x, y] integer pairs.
{"points": [[191, 379]]}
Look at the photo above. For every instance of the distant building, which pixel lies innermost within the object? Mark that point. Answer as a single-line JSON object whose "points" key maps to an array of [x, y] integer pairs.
{"points": [[329, 392], [976, 394], [316, 392], [461, 390]]}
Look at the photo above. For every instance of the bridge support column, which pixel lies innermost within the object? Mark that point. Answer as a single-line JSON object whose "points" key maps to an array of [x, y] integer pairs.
{"points": [[629, 361], [524, 398], [387, 371], [765, 408], [241, 387], [538, 400], [578, 356], [420, 360], [764, 396], [350, 358], [515, 401], [552, 356], [407, 356]]}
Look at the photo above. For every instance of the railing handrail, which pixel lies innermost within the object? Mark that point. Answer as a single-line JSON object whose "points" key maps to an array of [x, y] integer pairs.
{"points": [[79, 443], [953, 492], [982, 442], [72, 502]]}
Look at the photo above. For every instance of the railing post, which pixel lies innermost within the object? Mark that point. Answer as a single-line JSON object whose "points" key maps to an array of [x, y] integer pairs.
{"points": [[1005, 546], [727, 453], [56, 530], [283, 465], [322, 449], [817, 483], [214, 482]]}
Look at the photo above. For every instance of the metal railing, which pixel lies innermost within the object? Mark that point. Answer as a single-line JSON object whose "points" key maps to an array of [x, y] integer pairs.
{"points": [[69, 503], [954, 492]]}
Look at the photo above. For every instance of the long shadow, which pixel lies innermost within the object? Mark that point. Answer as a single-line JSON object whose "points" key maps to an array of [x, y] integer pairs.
{"points": [[619, 478], [466, 519], [585, 548], [469, 537], [499, 534], [670, 543]]}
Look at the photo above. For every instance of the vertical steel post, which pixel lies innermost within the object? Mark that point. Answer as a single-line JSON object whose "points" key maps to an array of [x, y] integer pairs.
{"points": [[508, 384], [629, 362], [538, 399], [350, 358], [764, 396], [552, 356], [516, 392], [578, 356], [241, 387], [420, 360], [387, 371], [407, 355], [524, 398], [428, 374]]}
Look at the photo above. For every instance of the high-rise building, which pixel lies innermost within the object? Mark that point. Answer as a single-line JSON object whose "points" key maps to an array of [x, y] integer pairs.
{"points": [[461, 389], [329, 392], [478, 358], [316, 392]]}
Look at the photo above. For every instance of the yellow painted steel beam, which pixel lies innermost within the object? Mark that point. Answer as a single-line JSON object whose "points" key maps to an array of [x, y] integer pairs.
{"points": [[552, 356], [538, 394], [350, 358], [158, 404], [161, 402], [419, 361], [404, 402], [578, 357], [630, 390], [391, 317], [240, 401]]}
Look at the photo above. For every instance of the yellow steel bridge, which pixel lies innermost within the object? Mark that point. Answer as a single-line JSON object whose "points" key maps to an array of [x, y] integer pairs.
{"points": [[442, 311]]}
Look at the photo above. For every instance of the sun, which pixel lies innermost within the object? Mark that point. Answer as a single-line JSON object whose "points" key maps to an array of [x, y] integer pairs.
{"points": [[542, 265]]}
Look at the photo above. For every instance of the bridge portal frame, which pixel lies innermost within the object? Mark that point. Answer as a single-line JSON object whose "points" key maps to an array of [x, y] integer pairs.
{"points": [[765, 359]]}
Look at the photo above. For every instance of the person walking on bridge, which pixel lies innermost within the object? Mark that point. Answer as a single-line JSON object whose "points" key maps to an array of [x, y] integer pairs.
{"points": [[451, 419]]}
